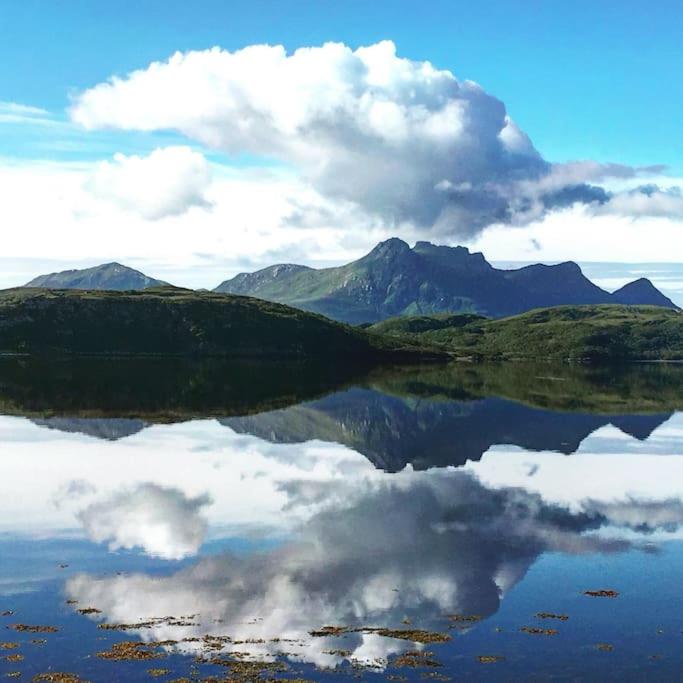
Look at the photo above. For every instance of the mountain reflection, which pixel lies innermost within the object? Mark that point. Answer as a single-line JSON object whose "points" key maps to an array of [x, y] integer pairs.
{"points": [[426, 417], [410, 549], [393, 432]]}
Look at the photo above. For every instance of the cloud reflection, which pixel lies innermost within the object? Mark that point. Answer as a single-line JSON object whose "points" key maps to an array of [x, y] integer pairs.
{"points": [[164, 522], [417, 547]]}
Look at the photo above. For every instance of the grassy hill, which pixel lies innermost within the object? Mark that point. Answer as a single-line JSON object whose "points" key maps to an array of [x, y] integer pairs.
{"points": [[172, 321], [594, 333]]}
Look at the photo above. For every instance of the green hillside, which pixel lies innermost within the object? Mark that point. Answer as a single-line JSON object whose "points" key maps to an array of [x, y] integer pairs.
{"points": [[594, 333], [168, 320]]}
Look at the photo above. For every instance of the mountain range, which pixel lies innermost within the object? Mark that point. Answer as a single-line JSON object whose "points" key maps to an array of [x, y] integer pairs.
{"points": [[395, 279]]}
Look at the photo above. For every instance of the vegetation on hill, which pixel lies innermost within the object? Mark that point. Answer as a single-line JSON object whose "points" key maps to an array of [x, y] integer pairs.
{"points": [[592, 333], [417, 324], [175, 321]]}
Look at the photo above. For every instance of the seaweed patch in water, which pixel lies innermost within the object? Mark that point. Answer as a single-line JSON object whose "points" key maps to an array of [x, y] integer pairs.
{"points": [[25, 628], [413, 635], [464, 618], [415, 659], [601, 593], [331, 631], [150, 623], [552, 615], [533, 630], [129, 650], [14, 658], [249, 670]]}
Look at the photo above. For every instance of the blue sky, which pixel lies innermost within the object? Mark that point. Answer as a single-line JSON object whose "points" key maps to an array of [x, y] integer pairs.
{"points": [[584, 79], [199, 167]]}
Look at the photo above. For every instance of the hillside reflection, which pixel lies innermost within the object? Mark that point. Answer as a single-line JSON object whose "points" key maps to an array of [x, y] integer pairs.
{"points": [[426, 417]]}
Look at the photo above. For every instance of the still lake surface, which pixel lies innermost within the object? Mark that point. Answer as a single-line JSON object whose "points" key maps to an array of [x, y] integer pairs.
{"points": [[218, 518]]}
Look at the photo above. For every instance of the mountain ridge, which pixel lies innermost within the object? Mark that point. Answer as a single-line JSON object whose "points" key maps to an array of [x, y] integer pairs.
{"points": [[394, 279]]}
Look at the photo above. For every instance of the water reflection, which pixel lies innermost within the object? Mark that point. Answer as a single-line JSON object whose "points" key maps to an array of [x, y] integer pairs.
{"points": [[432, 544], [164, 522], [393, 431], [394, 499], [427, 417]]}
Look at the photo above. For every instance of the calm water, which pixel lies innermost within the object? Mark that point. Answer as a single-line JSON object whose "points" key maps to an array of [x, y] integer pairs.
{"points": [[216, 518]]}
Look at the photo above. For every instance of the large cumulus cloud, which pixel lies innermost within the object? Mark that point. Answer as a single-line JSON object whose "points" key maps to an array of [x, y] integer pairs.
{"points": [[399, 138], [166, 182]]}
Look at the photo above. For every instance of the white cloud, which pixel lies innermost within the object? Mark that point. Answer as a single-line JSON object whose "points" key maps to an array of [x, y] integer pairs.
{"points": [[167, 182], [15, 112], [401, 139], [364, 125], [581, 233], [164, 522], [646, 201]]}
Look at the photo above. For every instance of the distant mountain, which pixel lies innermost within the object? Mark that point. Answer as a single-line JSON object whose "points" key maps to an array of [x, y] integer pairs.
{"points": [[641, 291], [111, 276], [394, 280]]}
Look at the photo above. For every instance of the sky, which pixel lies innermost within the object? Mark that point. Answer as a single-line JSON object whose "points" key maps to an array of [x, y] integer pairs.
{"points": [[198, 140]]}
